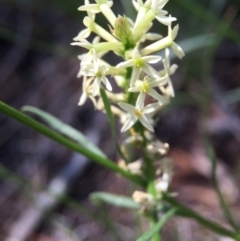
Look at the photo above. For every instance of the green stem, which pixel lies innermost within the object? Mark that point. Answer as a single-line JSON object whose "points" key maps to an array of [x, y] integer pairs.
{"points": [[26, 120], [187, 212], [150, 175], [222, 202]]}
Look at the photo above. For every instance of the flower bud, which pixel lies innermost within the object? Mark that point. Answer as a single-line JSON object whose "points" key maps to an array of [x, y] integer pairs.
{"points": [[122, 28], [122, 31]]}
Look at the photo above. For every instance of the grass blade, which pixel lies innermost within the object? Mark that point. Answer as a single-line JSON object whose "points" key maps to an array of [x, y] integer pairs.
{"points": [[149, 234], [26, 120], [111, 121], [64, 129], [113, 199]]}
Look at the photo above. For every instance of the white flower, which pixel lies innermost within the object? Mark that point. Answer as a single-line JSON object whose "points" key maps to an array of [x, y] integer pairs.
{"points": [[135, 167], [134, 139], [98, 71], [98, 30], [147, 12], [146, 87], [135, 113], [96, 49], [150, 36], [137, 4], [87, 58], [172, 33], [140, 63], [87, 91], [103, 6], [168, 71], [85, 33], [166, 170], [158, 147], [141, 8], [157, 7], [166, 42], [143, 198]]}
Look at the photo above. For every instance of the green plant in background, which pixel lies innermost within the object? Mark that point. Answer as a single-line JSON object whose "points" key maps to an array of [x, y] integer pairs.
{"points": [[144, 91]]}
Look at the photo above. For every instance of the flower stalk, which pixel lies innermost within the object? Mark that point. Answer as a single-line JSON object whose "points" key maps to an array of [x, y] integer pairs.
{"points": [[145, 88]]}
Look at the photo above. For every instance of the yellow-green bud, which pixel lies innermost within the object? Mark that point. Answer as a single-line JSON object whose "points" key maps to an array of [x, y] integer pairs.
{"points": [[122, 31], [122, 28]]}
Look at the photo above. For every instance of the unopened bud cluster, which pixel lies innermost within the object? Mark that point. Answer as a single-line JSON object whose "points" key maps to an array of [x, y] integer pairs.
{"points": [[125, 37]]}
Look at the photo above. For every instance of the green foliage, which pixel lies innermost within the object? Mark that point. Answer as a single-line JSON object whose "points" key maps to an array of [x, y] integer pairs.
{"points": [[17, 115], [111, 121], [64, 129], [157, 227], [113, 199]]}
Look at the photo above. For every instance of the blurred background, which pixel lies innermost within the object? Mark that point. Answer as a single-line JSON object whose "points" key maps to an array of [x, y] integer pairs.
{"points": [[44, 187]]}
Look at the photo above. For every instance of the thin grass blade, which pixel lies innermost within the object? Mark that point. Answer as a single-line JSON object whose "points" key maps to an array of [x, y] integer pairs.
{"points": [[64, 129], [149, 234], [111, 121], [26, 120], [113, 199]]}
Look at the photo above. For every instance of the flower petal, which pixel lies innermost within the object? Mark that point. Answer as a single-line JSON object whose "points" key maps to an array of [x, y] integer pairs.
{"points": [[153, 36], [126, 64], [151, 108], [129, 123], [178, 50], [85, 33], [173, 69], [170, 88], [135, 75], [167, 56], [96, 86], [90, 7], [140, 100], [157, 82], [164, 19], [174, 32], [152, 59], [156, 96], [150, 71], [83, 99], [135, 88], [145, 122], [127, 107], [107, 83]]}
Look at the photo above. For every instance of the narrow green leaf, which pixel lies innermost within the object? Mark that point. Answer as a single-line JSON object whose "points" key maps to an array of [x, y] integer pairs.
{"points": [[26, 120], [189, 213], [111, 121], [64, 129], [225, 208], [113, 199], [149, 234]]}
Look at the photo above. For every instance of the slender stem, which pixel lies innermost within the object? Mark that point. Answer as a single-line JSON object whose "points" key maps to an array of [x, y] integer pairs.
{"points": [[150, 175], [222, 202], [149, 169], [26, 120], [187, 212]]}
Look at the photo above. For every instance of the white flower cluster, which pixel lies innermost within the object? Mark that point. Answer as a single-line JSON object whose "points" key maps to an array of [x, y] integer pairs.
{"points": [[125, 39]]}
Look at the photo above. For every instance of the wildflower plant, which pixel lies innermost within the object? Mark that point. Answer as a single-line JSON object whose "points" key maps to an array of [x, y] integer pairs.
{"points": [[144, 88], [141, 78]]}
